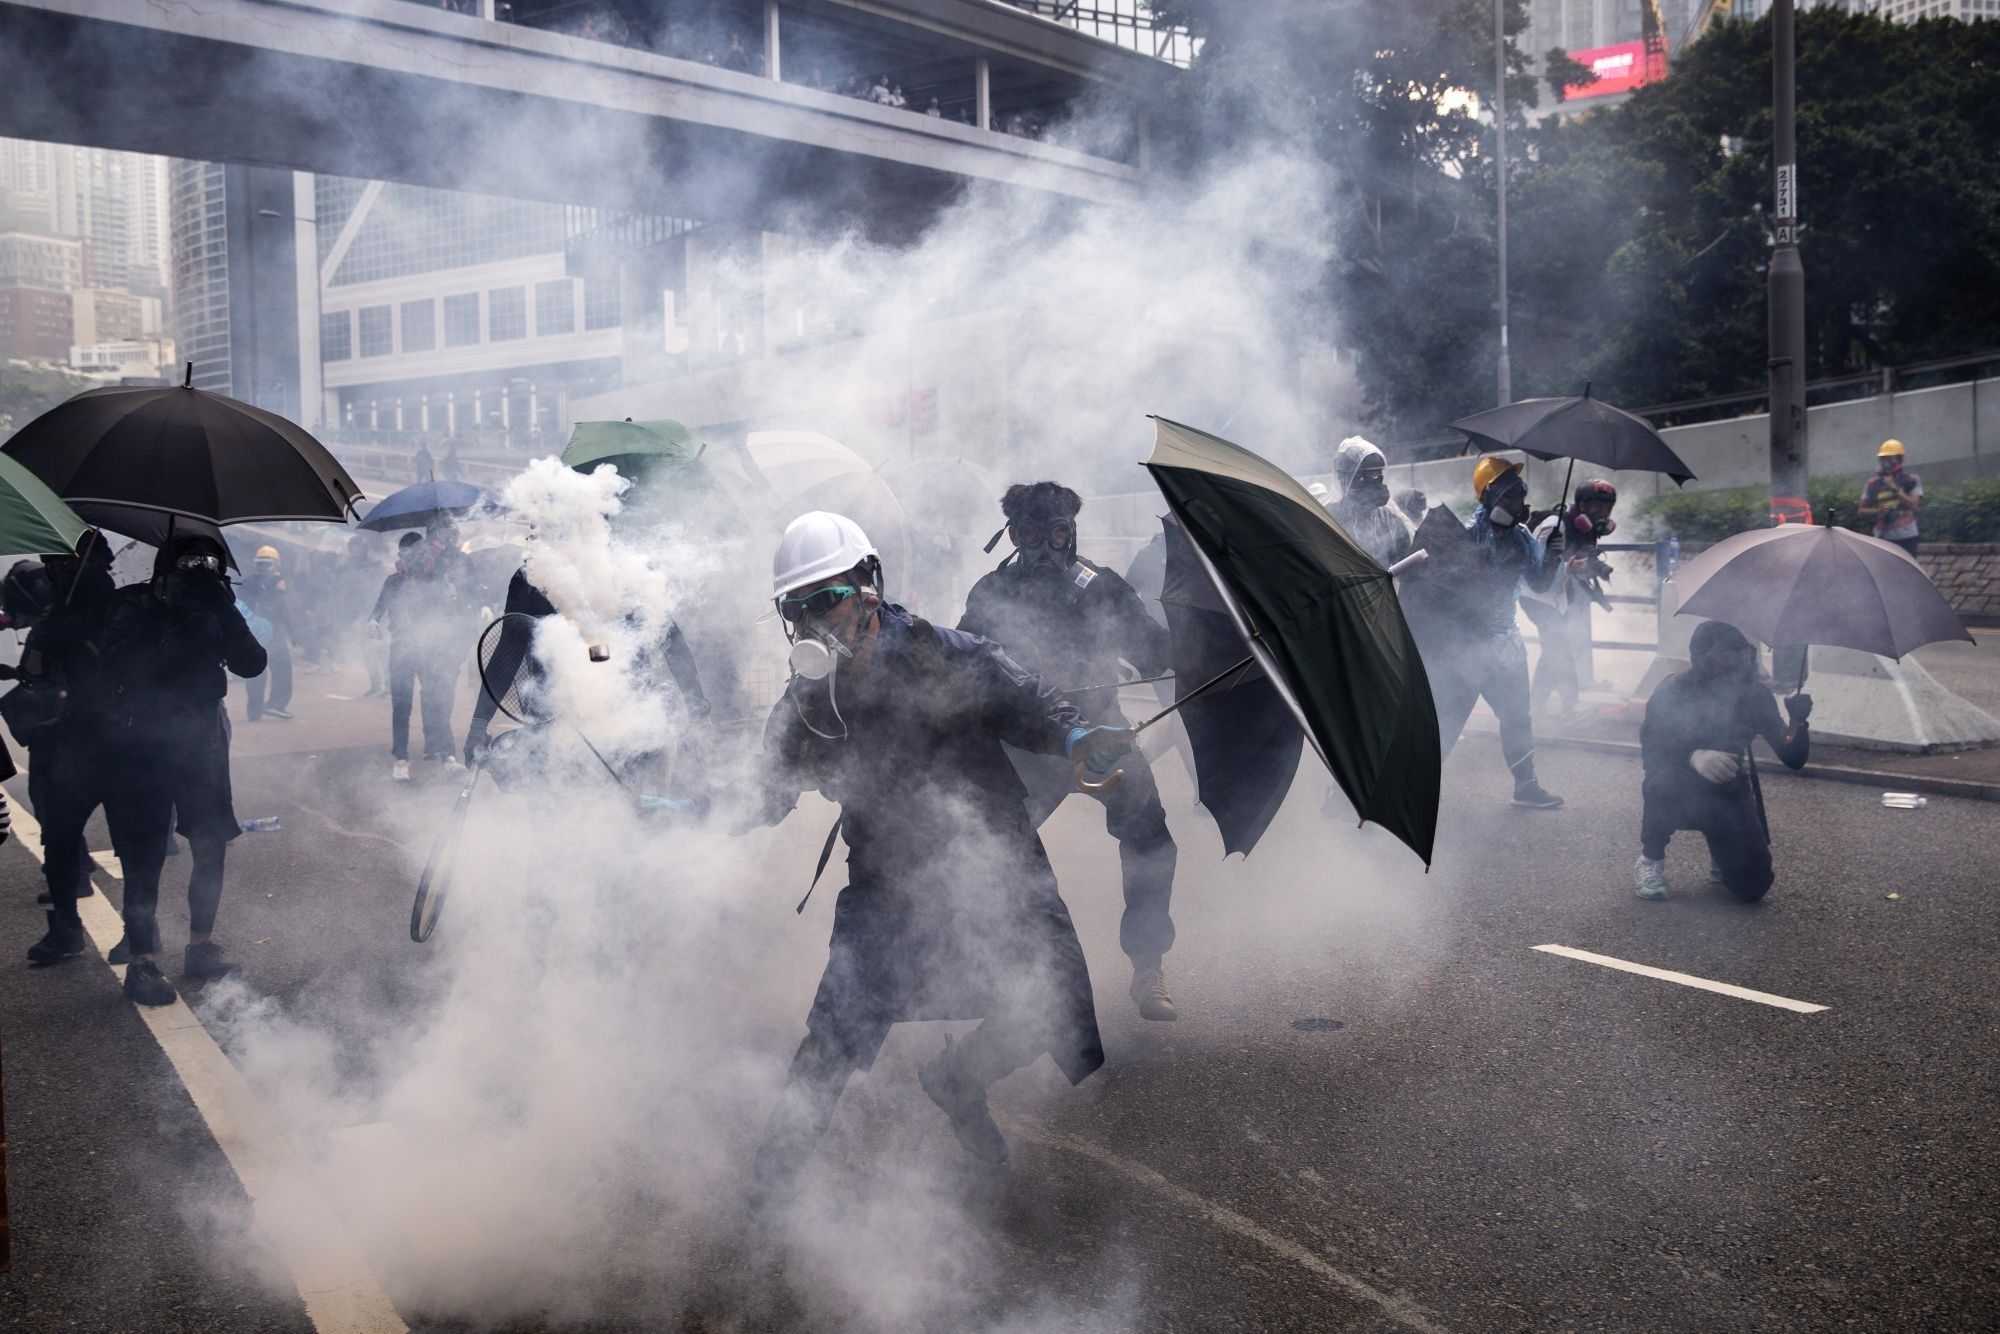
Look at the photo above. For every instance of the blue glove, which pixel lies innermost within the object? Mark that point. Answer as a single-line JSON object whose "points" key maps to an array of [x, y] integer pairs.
{"points": [[1098, 747]]}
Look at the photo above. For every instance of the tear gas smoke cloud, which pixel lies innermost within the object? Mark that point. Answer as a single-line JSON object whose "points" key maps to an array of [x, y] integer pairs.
{"points": [[611, 1003]]}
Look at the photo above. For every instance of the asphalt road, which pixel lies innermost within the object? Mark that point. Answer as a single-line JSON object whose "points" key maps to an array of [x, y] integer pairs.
{"points": [[1382, 1108]]}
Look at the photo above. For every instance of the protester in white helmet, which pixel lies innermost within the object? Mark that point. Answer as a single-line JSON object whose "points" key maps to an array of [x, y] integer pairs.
{"points": [[951, 910], [1364, 510]]}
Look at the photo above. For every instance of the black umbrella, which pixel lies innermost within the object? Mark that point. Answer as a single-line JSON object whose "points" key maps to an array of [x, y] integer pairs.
{"points": [[1246, 742], [1319, 617], [184, 451], [1802, 584], [154, 528], [1575, 428]]}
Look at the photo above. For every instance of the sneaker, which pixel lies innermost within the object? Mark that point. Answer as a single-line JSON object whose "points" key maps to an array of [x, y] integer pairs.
{"points": [[285, 714], [60, 943], [451, 763], [1534, 796], [205, 960], [121, 952], [965, 1105], [1649, 878], [1149, 993], [145, 984], [400, 771]]}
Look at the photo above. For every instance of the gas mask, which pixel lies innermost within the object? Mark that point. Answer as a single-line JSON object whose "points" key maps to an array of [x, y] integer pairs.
{"points": [[817, 648], [1506, 504], [1719, 654], [1592, 526], [1368, 489], [1042, 548]]}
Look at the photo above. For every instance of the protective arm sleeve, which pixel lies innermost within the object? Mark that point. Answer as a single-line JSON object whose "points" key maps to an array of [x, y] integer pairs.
{"points": [[1019, 708]]}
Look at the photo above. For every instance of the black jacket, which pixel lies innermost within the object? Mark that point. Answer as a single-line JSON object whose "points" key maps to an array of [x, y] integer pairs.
{"points": [[1685, 715], [165, 657], [1071, 632]]}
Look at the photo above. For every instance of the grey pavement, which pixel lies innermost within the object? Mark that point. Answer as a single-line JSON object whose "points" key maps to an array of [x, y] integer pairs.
{"points": [[1382, 1108]]}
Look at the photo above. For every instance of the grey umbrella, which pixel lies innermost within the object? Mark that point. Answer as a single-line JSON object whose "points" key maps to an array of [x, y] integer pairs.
{"points": [[1575, 428], [1803, 584]]}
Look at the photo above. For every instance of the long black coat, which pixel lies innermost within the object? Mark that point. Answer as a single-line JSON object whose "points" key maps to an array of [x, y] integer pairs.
{"points": [[951, 910]]}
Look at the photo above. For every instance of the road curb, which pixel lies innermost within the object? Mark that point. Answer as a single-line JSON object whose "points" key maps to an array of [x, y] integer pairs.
{"points": [[1887, 780]]}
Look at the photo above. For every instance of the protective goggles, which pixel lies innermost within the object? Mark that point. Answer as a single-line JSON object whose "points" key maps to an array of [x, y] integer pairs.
{"points": [[1057, 534], [816, 603], [196, 561]]}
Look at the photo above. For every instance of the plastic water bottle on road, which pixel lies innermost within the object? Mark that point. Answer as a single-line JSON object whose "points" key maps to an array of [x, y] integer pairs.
{"points": [[267, 825], [1904, 801]]}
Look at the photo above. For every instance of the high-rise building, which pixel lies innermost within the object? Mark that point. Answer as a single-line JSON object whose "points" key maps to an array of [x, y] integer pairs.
{"points": [[199, 246], [51, 263], [114, 202]]}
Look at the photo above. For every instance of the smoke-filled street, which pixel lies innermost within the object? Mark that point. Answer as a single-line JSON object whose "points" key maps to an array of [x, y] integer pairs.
{"points": [[1381, 1107]]}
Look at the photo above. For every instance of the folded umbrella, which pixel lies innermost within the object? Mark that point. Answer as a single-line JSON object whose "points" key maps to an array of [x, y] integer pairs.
{"points": [[1320, 618], [1803, 584], [426, 503], [33, 519], [184, 451]]}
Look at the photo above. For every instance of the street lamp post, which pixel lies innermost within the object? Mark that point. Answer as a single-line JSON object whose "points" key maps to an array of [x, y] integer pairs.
{"points": [[1506, 369], [1787, 283]]}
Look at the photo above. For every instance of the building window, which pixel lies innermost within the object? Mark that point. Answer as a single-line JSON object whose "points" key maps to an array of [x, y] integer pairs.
{"points": [[555, 308], [600, 303], [335, 333], [419, 326], [507, 313], [377, 332], [461, 320]]}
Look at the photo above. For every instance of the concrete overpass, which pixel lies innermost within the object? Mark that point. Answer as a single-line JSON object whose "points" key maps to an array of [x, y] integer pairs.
{"points": [[399, 91]]}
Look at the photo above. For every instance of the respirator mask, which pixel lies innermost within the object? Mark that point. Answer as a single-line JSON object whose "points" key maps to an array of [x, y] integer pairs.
{"points": [[1592, 526], [1044, 548], [817, 649], [1505, 503], [1368, 489]]}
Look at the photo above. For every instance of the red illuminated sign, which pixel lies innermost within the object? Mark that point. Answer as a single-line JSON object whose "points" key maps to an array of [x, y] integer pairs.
{"points": [[1619, 69]]}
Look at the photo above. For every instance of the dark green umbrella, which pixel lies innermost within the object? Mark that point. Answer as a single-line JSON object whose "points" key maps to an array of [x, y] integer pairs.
{"points": [[1321, 619], [629, 446], [34, 519]]}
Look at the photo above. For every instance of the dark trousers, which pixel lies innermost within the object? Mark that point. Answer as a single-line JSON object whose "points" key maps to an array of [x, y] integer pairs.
{"points": [[1146, 853], [1908, 544], [42, 763], [1495, 666], [138, 807], [435, 679], [1725, 814], [272, 687]]}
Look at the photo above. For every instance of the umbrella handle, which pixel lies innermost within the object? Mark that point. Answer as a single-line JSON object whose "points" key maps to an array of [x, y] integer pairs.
{"points": [[1084, 783]]}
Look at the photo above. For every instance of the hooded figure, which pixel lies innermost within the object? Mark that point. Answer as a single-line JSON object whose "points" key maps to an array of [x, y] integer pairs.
{"points": [[1072, 622], [1696, 742], [1364, 511], [143, 731], [951, 909]]}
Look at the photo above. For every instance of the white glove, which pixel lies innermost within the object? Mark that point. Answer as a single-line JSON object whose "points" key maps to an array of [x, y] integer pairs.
{"points": [[1717, 766]]}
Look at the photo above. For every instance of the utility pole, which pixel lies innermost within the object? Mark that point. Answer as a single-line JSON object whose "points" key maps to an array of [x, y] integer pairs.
{"points": [[1500, 165], [1787, 285]]}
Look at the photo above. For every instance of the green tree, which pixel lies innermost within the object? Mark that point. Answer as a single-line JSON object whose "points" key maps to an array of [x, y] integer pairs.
{"points": [[26, 392]]}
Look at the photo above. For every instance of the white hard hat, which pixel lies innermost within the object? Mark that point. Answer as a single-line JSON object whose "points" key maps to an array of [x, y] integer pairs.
{"points": [[817, 546]]}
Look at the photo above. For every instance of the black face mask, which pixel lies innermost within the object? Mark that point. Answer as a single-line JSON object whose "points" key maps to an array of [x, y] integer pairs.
{"points": [[1731, 663], [1044, 549], [1369, 490]]}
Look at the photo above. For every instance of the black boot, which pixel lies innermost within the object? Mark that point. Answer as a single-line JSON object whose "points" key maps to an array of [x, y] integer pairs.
{"points": [[60, 943], [964, 1101]]}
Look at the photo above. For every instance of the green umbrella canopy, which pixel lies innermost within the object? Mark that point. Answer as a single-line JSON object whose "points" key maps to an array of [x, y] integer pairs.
{"points": [[624, 443], [33, 519], [1320, 617]]}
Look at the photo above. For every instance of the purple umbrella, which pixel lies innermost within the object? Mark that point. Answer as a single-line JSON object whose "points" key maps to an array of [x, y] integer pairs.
{"points": [[1803, 584]]}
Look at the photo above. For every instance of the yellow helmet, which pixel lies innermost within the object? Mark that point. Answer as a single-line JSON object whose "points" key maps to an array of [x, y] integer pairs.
{"points": [[1891, 449], [267, 553], [1489, 470]]}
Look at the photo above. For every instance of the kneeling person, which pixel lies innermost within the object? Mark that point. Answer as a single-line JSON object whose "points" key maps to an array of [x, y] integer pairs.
{"points": [[1696, 744]]}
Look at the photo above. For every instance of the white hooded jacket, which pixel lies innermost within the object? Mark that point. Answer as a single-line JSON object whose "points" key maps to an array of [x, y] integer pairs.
{"points": [[1383, 531]]}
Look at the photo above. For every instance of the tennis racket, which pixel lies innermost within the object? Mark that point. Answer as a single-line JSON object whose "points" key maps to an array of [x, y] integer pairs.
{"points": [[517, 683], [441, 868]]}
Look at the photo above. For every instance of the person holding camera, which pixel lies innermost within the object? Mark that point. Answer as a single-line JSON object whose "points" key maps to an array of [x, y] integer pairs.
{"points": [[1561, 612], [1695, 744]]}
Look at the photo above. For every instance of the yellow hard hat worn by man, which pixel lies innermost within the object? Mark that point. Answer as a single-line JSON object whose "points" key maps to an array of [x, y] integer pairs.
{"points": [[1892, 496]]}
